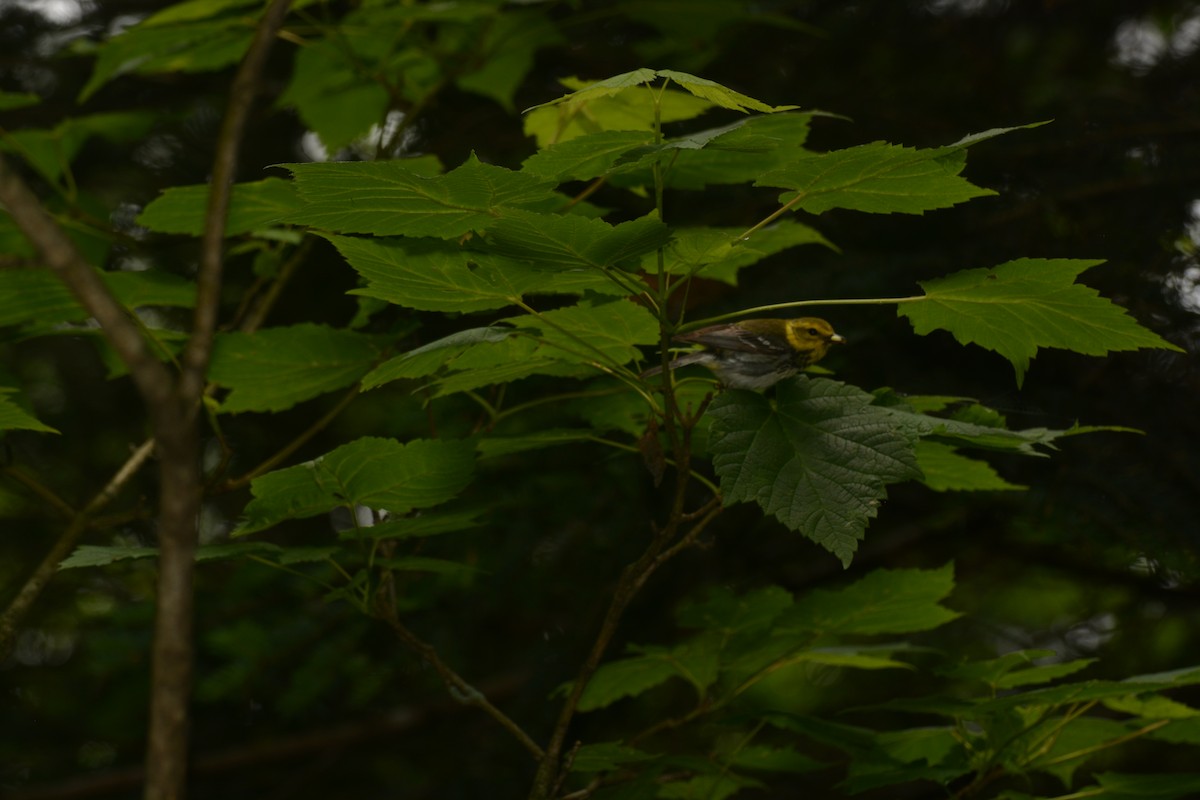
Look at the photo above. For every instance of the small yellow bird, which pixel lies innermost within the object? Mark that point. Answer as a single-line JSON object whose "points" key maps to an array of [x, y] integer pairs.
{"points": [[757, 353]]}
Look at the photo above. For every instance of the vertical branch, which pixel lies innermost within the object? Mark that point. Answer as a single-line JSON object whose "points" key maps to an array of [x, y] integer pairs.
{"points": [[179, 447]]}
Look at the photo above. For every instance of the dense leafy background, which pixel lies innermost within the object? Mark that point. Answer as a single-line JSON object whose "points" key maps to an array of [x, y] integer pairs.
{"points": [[300, 696]]}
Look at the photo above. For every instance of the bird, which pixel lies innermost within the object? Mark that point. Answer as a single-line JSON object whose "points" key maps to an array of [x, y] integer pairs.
{"points": [[756, 353]]}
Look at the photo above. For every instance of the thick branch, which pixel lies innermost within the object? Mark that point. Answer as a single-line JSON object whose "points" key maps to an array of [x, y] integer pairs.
{"points": [[179, 442]]}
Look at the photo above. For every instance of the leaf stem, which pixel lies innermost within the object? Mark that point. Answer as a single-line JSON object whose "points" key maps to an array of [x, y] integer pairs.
{"points": [[857, 301]]}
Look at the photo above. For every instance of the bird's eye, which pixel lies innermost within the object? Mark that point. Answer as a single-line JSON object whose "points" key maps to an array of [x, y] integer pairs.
{"points": [[813, 332]]}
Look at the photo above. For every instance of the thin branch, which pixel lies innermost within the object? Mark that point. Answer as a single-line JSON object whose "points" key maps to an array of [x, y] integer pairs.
{"points": [[208, 282], [458, 686], [632, 579], [36, 582], [286, 451]]}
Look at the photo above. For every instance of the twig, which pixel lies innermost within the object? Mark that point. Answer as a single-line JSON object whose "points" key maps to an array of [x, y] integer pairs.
{"points": [[37, 581], [632, 579], [458, 686]]}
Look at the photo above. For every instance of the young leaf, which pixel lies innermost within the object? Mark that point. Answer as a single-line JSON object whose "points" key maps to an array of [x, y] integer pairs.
{"points": [[718, 94], [275, 368], [609, 108], [13, 417], [878, 178], [387, 199], [374, 472], [181, 209], [1022, 305], [817, 458]]}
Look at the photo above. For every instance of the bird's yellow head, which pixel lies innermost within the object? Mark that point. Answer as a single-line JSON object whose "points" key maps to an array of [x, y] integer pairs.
{"points": [[810, 336]]}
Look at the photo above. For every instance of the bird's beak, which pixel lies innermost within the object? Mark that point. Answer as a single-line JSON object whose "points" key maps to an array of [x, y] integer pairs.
{"points": [[837, 338]]}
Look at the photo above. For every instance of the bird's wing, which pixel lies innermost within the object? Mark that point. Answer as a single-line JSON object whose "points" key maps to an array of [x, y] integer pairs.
{"points": [[732, 337]]}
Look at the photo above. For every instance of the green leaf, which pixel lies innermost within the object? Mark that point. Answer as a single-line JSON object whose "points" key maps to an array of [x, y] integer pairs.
{"points": [[738, 155], [718, 253], [883, 602], [773, 759], [584, 157], [331, 94], [496, 446], [608, 106], [13, 417], [427, 359], [751, 613], [603, 88], [196, 36], [506, 54], [386, 199], [1044, 673], [181, 209], [38, 296], [878, 178], [432, 275], [992, 669], [89, 555], [1022, 305], [718, 94], [275, 368], [606, 756], [10, 101], [570, 241], [51, 151], [710, 787], [374, 472], [627, 677], [945, 469], [817, 458], [593, 332], [1149, 787]]}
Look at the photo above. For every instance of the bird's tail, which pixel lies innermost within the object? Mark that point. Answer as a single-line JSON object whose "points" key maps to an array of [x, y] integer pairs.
{"points": [[682, 361]]}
